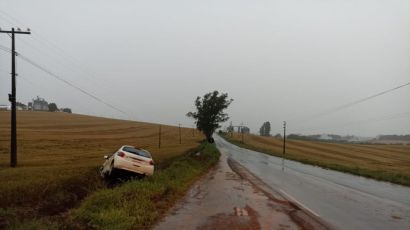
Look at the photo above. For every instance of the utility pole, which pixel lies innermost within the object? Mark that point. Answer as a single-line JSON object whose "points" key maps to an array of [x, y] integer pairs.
{"points": [[12, 96], [241, 128], [284, 145], [193, 130], [180, 142], [284, 137], [159, 137]]}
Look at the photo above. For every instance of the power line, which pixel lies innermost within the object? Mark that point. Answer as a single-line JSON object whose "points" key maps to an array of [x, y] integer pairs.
{"points": [[38, 88], [6, 19], [69, 83], [63, 63], [35, 84], [42, 68], [384, 118], [371, 120], [65, 57], [61, 52], [5, 49], [347, 105]]}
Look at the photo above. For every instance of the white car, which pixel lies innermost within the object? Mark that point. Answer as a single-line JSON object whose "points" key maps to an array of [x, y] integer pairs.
{"points": [[130, 159]]}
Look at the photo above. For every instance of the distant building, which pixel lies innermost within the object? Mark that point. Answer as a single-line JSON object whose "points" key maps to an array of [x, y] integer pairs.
{"points": [[244, 129], [325, 137], [21, 106], [39, 104], [4, 107]]}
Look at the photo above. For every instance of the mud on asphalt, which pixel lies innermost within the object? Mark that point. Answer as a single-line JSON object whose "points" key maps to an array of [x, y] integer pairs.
{"points": [[302, 217], [231, 197]]}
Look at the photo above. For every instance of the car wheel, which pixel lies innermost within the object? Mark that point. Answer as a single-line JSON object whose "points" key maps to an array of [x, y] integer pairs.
{"points": [[101, 170], [110, 173]]}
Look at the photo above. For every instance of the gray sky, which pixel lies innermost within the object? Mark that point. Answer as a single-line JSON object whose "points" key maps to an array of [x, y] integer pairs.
{"points": [[279, 60]]}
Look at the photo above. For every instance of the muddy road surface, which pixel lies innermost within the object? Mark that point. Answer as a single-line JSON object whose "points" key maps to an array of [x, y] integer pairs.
{"points": [[230, 197]]}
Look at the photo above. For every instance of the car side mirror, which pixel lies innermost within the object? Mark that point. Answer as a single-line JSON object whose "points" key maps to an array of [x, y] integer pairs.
{"points": [[106, 157]]}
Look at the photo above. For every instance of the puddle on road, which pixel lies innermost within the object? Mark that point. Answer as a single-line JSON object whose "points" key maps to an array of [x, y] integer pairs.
{"points": [[241, 218]]}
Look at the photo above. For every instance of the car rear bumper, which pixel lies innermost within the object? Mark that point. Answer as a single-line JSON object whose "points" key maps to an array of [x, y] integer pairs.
{"points": [[140, 168]]}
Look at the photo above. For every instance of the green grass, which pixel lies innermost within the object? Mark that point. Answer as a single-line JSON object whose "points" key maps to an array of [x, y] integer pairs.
{"points": [[136, 204], [382, 175]]}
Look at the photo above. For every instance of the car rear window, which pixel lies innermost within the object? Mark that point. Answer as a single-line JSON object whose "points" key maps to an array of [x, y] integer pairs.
{"points": [[138, 152]]}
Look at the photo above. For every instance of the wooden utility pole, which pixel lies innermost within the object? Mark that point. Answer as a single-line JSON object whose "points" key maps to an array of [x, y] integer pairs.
{"points": [[12, 96], [180, 141], [159, 137], [284, 137], [284, 145]]}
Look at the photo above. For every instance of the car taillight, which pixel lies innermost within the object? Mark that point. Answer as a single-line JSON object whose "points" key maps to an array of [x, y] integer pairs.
{"points": [[151, 162], [121, 154]]}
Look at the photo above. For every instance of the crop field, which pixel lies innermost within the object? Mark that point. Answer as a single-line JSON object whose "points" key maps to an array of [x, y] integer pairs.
{"points": [[59, 155], [378, 161]]}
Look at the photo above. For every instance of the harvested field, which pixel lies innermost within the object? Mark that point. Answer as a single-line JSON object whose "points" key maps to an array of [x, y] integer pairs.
{"points": [[59, 155], [382, 162]]}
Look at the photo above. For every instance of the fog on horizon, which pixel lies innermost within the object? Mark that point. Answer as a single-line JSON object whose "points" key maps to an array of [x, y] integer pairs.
{"points": [[278, 60]]}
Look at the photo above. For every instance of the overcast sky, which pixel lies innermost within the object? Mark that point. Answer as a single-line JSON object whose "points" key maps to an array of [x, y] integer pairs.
{"points": [[279, 60]]}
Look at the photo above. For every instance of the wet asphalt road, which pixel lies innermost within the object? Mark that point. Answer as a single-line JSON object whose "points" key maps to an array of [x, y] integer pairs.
{"points": [[344, 201]]}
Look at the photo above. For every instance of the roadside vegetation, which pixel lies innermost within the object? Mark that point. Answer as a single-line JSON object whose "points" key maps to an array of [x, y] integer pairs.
{"points": [[59, 155], [210, 112], [381, 162], [140, 204]]}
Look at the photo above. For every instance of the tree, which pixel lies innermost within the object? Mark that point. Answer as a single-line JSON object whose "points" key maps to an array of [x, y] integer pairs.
{"points": [[265, 129], [52, 107], [67, 110], [20, 104], [210, 112]]}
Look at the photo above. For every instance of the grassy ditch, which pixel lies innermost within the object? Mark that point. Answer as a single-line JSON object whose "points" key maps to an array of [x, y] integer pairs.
{"points": [[139, 204], [348, 158], [136, 204]]}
